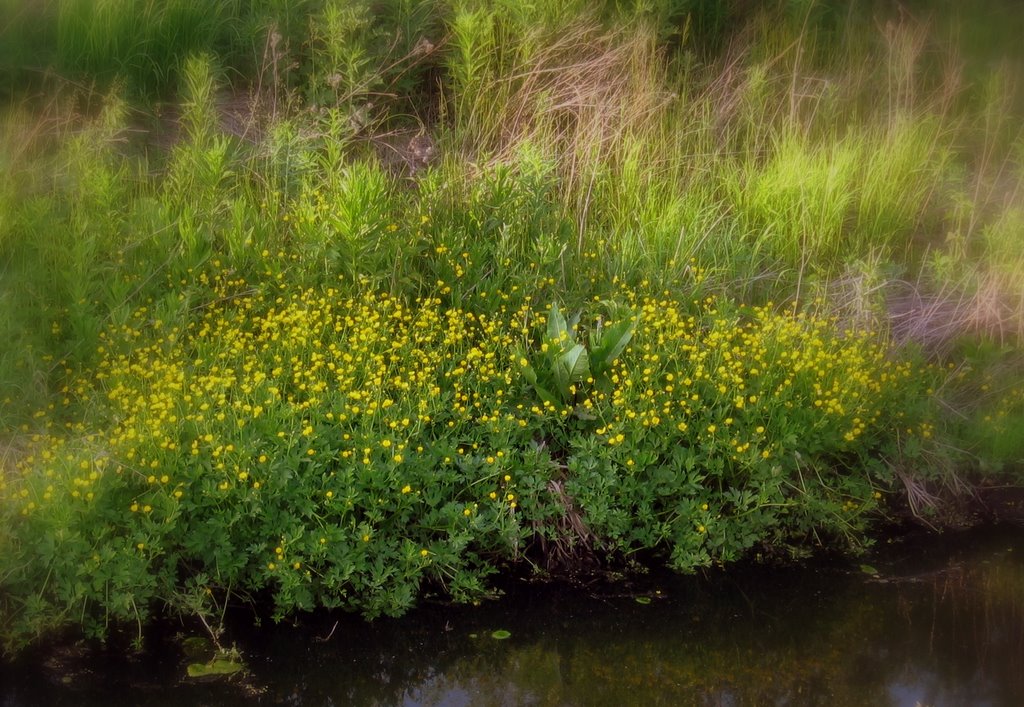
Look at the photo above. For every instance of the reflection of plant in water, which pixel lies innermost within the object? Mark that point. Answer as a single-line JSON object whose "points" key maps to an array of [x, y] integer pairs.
{"points": [[977, 600], [848, 648]]}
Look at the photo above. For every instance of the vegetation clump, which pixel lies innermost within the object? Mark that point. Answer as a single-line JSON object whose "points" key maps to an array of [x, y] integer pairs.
{"points": [[635, 282]]}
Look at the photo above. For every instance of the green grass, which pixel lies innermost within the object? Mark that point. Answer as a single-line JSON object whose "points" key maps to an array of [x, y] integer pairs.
{"points": [[815, 215]]}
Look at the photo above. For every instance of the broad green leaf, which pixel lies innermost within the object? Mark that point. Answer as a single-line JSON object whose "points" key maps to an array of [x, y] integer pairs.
{"points": [[577, 360], [529, 374], [574, 322], [556, 323], [545, 395], [217, 666], [571, 367], [611, 343]]}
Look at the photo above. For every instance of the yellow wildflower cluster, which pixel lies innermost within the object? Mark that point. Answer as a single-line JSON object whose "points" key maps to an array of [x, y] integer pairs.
{"points": [[738, 382], [261, 377]]}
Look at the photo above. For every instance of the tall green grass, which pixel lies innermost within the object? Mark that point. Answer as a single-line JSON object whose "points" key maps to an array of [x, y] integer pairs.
{"points": [[806, 172]]}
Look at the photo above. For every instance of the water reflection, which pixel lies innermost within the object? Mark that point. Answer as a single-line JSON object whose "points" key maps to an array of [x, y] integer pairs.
{"points": [[943, 624]]}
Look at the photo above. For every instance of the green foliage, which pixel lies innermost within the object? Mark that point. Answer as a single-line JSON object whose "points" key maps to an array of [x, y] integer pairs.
{"points": [[565, 366], [147, 41], [342, 450], [276, 367]]}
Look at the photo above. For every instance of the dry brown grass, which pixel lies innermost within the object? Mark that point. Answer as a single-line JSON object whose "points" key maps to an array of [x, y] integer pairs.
{"points": [[580, 93], [931, 316]]}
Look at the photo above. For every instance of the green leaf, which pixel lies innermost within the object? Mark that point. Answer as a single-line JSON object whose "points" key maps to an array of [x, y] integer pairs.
{"points": [[529, 374], [573, 322], [217, 666], [500, 635], [556, 323], [571, 367], [643, 600], [609, 343], [546, 395]]}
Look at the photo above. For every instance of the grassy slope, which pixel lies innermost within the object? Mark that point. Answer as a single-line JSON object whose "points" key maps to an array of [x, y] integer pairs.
{"points": [[679, 164]]}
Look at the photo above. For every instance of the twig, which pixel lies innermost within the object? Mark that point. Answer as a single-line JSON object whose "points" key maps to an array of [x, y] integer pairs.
{"points": [[328, 636]]}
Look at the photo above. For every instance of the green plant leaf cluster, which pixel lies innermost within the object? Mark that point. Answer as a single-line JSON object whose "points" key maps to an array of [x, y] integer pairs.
{"points": [[564, 365]]}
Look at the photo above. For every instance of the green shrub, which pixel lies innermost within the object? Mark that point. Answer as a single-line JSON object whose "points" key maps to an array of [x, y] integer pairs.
{"points": [[342, 450], [273, 367]]}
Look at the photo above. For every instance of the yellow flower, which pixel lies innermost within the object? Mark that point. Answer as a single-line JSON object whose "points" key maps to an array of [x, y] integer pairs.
{"points": [[406, 489], [424, 552]]}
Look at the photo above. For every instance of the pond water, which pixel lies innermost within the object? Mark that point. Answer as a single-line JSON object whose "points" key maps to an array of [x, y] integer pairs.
{"points": [[938, 621]]}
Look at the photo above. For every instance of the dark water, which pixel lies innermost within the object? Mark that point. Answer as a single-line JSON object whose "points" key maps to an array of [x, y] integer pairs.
{"points": [[942, 624]]}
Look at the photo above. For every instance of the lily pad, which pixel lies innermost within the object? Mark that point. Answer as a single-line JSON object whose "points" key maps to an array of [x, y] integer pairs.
{"points": [[216, 667], [500, 635]]}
